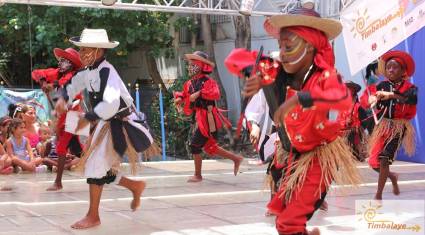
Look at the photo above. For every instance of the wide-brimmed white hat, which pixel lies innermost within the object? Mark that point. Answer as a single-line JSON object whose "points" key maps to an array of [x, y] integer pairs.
{"points": [[96, 38]]}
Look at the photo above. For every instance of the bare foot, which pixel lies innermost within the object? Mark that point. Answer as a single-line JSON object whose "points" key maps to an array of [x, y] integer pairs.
{"points": [[324, 206], [86, 222], [237, 165], [194, 179], [315, 231], [135, 203], [54, 187], [396, 189]]}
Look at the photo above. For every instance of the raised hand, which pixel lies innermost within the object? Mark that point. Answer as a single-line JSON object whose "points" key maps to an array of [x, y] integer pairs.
{"points": [[252, 86]]}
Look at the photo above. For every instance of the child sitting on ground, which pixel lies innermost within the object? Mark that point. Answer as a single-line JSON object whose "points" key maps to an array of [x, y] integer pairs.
{"points": [[6, 167], [19, 149], [5, 162], [46, 148]]}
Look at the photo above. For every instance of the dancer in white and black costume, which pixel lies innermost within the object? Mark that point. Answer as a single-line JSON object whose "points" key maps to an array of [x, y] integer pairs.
{"points": [[117, 131]]}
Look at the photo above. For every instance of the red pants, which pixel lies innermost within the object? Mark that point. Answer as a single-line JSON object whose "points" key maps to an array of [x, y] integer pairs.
{"points": [[292, 216], [384, 149], [67, 141]]}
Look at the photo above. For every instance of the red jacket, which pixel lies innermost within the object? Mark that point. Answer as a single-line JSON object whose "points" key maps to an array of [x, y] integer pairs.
{"points": [[210, 92], [351, 117], [309, 127], [399, 109], [52, 75]]}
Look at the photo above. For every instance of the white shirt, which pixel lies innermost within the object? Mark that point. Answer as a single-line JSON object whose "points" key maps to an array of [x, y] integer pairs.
{"points": [[114, 90], [257, 110]]}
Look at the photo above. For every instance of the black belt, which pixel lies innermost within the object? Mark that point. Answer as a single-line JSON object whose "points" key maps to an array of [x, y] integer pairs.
{"points": [[121, 114]]}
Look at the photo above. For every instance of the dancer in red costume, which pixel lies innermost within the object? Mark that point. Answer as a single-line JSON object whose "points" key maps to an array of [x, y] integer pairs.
{"points": [[395, 100], [68, 64], [199, 95], [353, 122], [311, 154]]}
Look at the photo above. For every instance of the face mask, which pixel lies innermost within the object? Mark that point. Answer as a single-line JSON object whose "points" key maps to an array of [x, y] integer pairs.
{"points": [[91, 57], [64, 65], [290, 53], [193, 69]]}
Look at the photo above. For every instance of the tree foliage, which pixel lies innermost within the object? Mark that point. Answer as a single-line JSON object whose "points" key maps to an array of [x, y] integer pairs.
{"points": [[52, 27]]}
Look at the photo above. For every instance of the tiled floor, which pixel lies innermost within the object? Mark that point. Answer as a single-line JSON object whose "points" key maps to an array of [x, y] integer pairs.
{"points": [[221, 205]]}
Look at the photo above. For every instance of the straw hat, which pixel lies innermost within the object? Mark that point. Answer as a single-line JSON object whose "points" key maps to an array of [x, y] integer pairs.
{"points": [[302, 17], [95, 38], [69, 54], [201, 56]]}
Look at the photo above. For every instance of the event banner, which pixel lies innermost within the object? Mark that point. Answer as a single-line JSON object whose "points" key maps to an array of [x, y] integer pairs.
{"points": [[372, 27], [34, 98]]}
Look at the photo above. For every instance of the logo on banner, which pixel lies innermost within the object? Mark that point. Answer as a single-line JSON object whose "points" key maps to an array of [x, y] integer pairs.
{"points": [[385, 216], [372, 27], [365, 29]]}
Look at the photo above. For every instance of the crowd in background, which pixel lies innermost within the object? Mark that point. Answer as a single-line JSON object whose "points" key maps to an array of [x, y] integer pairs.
{"points": [[28, 145]]}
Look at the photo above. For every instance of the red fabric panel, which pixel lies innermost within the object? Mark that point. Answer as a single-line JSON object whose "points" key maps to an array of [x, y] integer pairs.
{"points": [[210, 90], [51, 74]]}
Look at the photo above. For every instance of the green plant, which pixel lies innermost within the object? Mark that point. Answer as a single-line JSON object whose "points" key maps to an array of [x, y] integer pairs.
{"points": [[52, 27], [177, 126], [187, 22]]}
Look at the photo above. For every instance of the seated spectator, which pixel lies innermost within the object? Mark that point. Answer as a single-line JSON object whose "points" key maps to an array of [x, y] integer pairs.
{"points": [[15, 110], [44, 147], [30, 119], [5, 162], [4, 126], [18, 147], [47, 150]]}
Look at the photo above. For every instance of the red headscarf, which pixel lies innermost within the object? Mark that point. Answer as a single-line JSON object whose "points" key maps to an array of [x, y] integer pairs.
{"points": [[324, 57]]}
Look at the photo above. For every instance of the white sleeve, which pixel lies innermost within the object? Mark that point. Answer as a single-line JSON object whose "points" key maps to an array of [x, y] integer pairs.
{"points": [[110, 104], [255, 110], [77, 84]]}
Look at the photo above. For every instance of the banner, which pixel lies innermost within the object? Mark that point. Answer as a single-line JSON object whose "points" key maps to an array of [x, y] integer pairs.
{"points": [[372, 27], [35, 98]]}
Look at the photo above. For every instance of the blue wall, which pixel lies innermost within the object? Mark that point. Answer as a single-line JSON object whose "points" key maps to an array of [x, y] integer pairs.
{"points": [[416, 47]]}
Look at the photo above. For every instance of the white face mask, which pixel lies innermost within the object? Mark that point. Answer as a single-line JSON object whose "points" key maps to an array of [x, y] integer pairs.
{"points": [[193, 69], [64, 65]]}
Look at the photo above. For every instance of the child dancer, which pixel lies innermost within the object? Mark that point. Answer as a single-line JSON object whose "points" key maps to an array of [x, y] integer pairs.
{"points": [[199, 95], [116, 133], [395, 99]]}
